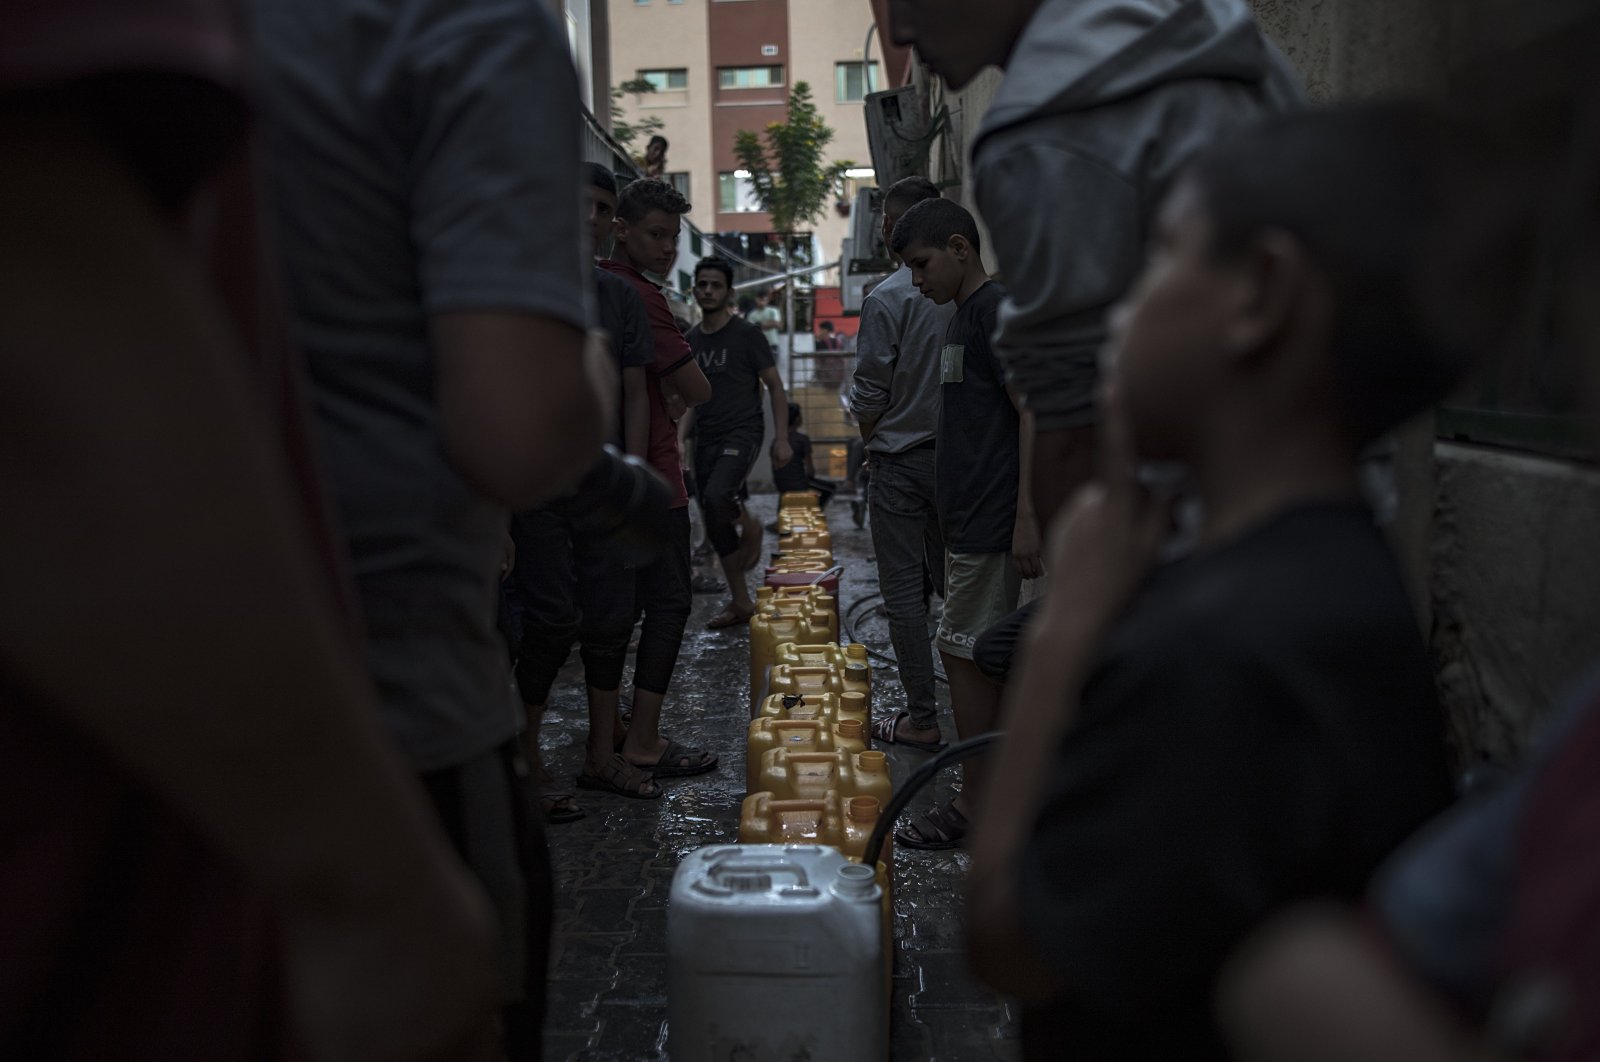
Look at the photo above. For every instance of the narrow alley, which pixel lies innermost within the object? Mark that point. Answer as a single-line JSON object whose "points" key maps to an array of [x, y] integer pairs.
{"points": [[613, 868]]}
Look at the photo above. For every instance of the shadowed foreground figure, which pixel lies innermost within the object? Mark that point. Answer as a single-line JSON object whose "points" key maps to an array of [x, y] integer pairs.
{"points": [[1196, 744]]}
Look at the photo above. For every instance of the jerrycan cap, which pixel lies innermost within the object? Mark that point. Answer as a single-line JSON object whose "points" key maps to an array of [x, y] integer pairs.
{"points": [[871, 760], [848, 728], [856, 882], [864, 809]]}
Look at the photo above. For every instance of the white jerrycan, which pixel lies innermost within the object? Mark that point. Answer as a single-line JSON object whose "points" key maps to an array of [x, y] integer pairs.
{"points": [[775, 954]]}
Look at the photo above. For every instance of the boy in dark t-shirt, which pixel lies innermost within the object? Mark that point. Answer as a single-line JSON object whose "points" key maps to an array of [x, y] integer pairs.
{"points": [[728, 429], [1191, 746], [991, 544]]}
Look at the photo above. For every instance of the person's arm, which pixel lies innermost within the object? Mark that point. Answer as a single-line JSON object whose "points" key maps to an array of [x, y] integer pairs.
{"points": [[1315, 987], [688, 383], [1099, 554], [520, 410], [1025, 534], [685, 430], [1059, 292], [877, 348], [496, 237], [140, 483], [636, 410], [782, 454], [637, 349]]}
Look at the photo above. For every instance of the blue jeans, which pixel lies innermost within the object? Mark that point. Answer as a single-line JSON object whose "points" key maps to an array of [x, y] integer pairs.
{"points": [[905, 536]]}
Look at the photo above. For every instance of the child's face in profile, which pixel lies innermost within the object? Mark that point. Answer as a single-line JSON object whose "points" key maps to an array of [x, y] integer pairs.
{"points": [[1166, 351], [936, 271]]}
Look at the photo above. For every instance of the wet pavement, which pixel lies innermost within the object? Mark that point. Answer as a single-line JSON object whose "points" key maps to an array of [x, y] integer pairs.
{"points": [[608, 993]]}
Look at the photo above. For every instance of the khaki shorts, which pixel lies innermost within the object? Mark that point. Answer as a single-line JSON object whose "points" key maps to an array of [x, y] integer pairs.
{"points": [[980, 589]]}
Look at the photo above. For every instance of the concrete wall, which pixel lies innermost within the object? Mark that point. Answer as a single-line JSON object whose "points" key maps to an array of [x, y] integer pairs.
{"points": [[1500, 544]]}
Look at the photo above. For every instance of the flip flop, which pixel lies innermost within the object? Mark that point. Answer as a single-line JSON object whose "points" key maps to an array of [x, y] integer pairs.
{"points": [[884, 730], [670, 764], [554, 813], [619, 776], [729, 617], [934, 830]]}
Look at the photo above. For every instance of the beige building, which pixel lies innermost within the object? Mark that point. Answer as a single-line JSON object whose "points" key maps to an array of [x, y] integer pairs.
{"points": [[719, 66]]}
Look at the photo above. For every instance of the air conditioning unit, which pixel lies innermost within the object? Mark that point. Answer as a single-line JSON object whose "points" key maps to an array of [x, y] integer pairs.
{"points": [[898, 134]]}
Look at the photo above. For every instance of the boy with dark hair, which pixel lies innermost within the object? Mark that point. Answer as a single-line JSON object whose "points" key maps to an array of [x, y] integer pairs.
{"points": [[984, 516], [895, 399], [1191, 747], [1102, 101], [728, 428], [568, 586], [649, 219]]}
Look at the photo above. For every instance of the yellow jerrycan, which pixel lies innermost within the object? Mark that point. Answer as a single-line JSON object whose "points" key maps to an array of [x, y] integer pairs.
{"points": [[850, 661], [775, 625], [844, 822], [828, 708], [811, 538], [798, 559], [799, 499], [790, 775], [798, 735], [810, 598]]}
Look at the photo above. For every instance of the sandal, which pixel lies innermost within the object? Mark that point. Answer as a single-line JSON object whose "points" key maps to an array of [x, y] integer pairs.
{"points": [[934, 830], [680, 761], [729, 617], [886, 731], [619, 776], [560, 807]]}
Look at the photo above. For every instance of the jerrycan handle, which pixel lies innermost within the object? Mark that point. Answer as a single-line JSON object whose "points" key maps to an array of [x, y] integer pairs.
{"points": [[811, 757], [742, 867], [783, 806], [810, 669]]}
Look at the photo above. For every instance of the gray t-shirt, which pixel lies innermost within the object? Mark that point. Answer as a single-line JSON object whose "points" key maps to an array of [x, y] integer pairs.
{"points": [[422, 157], [897, 364]]}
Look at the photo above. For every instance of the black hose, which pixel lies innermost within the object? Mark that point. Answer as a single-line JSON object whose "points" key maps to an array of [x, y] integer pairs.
{"points": [[920, 777]]}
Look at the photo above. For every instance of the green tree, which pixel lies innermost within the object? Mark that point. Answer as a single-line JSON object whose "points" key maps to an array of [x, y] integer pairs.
{"points": [[789, 174], [624, 131]]}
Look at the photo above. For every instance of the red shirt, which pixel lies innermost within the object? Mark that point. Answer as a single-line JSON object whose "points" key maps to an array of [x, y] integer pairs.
{"points": [[671, 351]]}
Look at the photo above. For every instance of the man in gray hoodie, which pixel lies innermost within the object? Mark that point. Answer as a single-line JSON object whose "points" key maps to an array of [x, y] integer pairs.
{"points": [[1102, 100]]}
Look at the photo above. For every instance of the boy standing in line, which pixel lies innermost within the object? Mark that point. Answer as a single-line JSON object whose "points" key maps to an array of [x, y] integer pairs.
{"points": [[728, 428], [649, 218], [895, 397], [574, 588], [990, 539], [1102, 101], [1192, 746]]}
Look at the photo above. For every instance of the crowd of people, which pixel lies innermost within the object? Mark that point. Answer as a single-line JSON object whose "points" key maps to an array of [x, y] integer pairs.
{"points": [[320, 345]]}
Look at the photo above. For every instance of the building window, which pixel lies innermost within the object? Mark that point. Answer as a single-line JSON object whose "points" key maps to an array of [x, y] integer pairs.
{"points": [[743, 77], [680, 182], [676, 80], [736, 194], [852, 81]]}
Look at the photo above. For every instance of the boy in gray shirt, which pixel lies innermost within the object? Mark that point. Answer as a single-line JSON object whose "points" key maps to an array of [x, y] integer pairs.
{"points": [[895, 397]]}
